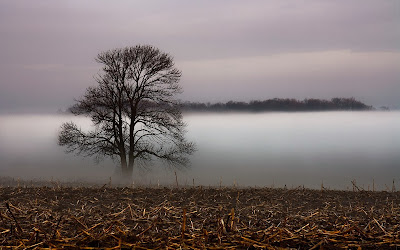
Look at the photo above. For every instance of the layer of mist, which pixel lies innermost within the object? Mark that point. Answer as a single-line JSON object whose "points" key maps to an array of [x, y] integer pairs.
{"points": [[263, 149]]}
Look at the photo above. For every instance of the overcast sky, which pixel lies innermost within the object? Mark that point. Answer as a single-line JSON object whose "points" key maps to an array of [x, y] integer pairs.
{"points": [[239, 50]]}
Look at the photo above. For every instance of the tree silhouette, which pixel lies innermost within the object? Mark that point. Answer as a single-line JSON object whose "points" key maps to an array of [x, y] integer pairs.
{"points": [[133, 110]]}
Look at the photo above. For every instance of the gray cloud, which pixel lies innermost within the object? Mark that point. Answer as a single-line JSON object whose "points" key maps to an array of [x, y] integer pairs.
{"points": [[260, 49]]}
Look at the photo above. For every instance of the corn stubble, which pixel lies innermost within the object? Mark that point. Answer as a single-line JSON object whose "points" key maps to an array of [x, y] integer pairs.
{"points": [[197, 218]]}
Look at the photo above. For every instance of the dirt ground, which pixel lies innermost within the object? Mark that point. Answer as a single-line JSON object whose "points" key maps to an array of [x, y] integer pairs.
{"points": [[197, 218]]}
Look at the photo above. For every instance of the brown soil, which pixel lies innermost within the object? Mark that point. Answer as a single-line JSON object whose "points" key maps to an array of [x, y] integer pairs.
{"points": [[198, 218]]}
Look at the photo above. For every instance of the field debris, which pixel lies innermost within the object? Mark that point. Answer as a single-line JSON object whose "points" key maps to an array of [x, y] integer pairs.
{"points": [[197, 218]]}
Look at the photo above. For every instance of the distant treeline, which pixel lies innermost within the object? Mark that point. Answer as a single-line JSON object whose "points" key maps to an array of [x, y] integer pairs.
{"points": [[278, 104]]}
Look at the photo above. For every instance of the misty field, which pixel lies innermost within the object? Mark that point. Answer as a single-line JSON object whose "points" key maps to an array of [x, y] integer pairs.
{"points": [[197, 218]]}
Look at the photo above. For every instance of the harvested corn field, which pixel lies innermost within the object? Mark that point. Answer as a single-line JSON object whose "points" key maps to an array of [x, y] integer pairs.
{"points": [[197, 218]]}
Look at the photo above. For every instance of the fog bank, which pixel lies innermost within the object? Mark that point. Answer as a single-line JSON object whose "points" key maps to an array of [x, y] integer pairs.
{"points": [[264, 149]]}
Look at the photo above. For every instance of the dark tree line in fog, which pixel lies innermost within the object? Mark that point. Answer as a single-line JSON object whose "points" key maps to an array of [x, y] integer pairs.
{"points": [[278, 104]]}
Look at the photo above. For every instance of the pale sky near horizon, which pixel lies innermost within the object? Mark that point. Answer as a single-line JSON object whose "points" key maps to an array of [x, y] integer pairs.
{"points": [[227, 50]]}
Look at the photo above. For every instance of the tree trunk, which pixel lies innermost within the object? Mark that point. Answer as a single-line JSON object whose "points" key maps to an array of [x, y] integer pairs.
{"points": [[124, 165], [126, 171], [126, 178], [130, 167], [126, 174]]}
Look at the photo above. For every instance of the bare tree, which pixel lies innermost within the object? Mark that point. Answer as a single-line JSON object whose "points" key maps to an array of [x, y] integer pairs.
{"points": [[133, 110]]}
